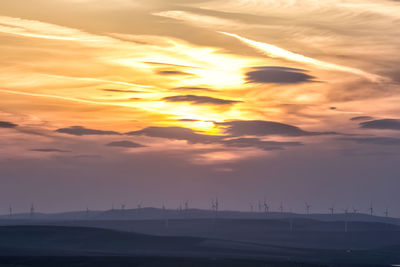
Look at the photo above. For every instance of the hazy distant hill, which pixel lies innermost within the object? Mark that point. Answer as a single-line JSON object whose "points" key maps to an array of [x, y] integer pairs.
{"points": [[160, 214]]}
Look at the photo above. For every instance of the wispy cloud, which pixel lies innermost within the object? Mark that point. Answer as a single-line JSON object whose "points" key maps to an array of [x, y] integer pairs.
{"points": [[277, 52], [50, 150], [37, 29]]}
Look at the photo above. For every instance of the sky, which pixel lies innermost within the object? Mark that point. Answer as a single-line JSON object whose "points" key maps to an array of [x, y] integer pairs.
{"points": [[110, 102]]}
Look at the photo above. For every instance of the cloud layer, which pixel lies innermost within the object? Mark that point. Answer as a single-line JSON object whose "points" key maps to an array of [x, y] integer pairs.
{"points": [[80, 131], [126, 144], [280, 75], [6, 124], [199, 100], [383, 124], [263, 128]]}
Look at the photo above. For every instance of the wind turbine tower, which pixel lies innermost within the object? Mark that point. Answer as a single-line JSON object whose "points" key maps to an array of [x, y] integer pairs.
{"points": [[371, 209], [386, 213], [186, 205], [180, 207], [32, 210], [355, 210], [307, 208], [266, 207], [346, 222], [215, 206], [332, 209]]}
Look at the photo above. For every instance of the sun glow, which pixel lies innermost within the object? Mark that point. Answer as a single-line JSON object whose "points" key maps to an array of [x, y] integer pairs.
{"points": [[206, 126]]}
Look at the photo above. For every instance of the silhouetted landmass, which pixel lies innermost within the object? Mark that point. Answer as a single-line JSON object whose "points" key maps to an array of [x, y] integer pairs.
{"points": [[141, 262], [299, 233], [54, 243], [160, 214], [82, 246], [202, 234]]}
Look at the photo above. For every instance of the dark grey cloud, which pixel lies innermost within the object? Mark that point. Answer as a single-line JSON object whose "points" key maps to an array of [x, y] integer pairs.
{"points": [[262, 128], [279, 75], [172, 72], [79, 131], [257, 143], [180, 133], [188, 120], [50, 150], [6, 124], [177, 133], [361, 118], [199, 100], [384, 141], [193, 88], [384, 124], [127, 144]]}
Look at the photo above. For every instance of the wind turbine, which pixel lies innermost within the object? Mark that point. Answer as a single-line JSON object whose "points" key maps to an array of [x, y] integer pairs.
{"points": [[371, 209], [259, 206], [180, 207], [164, 209], [122, 206], [386, 213], [346, 212], [215, 205], [139, 206], [355, 210], [32, 210], [266, 207], [307, 208], [332, 209], [281, 207], [251, 207], [10, 210], [186, 205]]}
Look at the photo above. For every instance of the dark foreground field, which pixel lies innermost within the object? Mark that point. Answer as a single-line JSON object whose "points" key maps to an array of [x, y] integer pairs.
{"points": [[83, 246], [141, 262]]}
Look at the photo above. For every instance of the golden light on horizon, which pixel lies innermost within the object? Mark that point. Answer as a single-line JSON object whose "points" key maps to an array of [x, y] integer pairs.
{"points": [[235, 68]]}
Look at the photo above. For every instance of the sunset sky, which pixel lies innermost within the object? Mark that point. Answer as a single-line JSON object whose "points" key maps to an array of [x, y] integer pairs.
{"points": [[120, 101]]}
